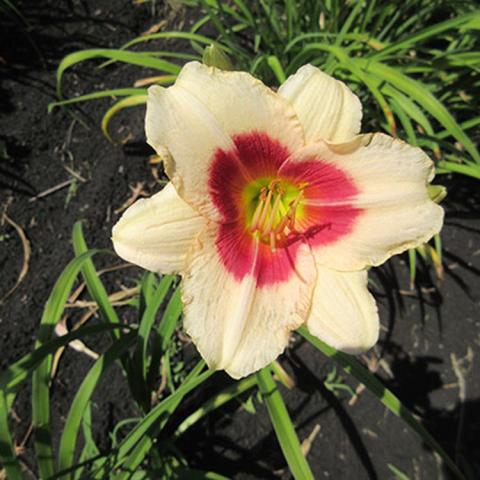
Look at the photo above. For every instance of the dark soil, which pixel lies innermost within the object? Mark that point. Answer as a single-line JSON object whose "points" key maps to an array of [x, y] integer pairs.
{"points": [[425, 329]]}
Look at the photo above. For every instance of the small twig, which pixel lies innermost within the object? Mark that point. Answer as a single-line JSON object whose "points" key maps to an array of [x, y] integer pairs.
{"points": [[75, 174], [372, 364], [26, 255], [76, 293], [27, 436], [460, 371], [137, 191], [51, 190], [162, 387], [282, 376], [154, 28], [78, 345], [58, 354], [116, 298], [307, 443]]}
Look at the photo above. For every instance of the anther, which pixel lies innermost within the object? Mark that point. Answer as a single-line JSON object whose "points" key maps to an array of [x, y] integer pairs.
{"points": [[274, 183]]}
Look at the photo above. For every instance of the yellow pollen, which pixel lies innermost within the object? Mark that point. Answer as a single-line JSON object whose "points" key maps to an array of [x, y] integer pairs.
{"points": [[272, 219]]}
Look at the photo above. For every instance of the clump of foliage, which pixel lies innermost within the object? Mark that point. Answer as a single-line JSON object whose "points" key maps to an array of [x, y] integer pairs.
{"points": [[143, 350], [415, 66]]}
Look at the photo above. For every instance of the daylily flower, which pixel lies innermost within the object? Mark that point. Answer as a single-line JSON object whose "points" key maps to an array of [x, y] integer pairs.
{"points": [[275, 210]]}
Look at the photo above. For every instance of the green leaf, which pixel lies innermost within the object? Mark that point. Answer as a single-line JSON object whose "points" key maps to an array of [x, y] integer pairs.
{"points": [[193, 37], [116, 92], [134, 58], [353, 367], [412, 265], [41, 377], [399, 475], [471, 170], [8, 457], [90, 450], [98, 293], [170, 318], [18, 372], [276, 67], [82, 399], [140, 356], [418, 92], [164, 333], [461, 22], [131, 101], [283, 426], [217, 401], [138, 440], [194, 474], [94, 285]]}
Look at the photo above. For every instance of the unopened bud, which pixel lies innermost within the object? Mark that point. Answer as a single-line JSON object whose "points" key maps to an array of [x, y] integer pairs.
{"points": [[214, 56], [437, 193]]}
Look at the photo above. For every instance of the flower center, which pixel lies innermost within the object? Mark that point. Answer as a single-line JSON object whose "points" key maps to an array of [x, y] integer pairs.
{"points": [[275, 209]]}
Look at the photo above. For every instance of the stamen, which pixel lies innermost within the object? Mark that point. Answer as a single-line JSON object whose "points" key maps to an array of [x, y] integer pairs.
{"points": [[273, 214], [266, 206], [291, 223], [273, 246], [276, 221], [258, 209], [292, 212], [283, 223]]}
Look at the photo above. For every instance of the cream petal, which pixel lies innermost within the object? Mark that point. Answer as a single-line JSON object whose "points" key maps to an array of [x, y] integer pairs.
{"points": [[327, 108], [237, 325], [395, 211], [156, 233], [343, 313], [202, 113]]}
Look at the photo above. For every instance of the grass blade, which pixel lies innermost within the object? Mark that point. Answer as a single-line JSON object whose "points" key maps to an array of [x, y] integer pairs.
{"points": [[225, 396], [160, 414], [131, 101], [465, 169], [164, 333], [276, 67], [283, 426], [145, 444], [99, 295], [146, 323], [68, 441], [94, 285], [461, 22], [170, 318], [116, 92], [418, 92], [139, 360], [8, 457], [41, 376], [353, 367], [17, 373], [134, 58]]}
